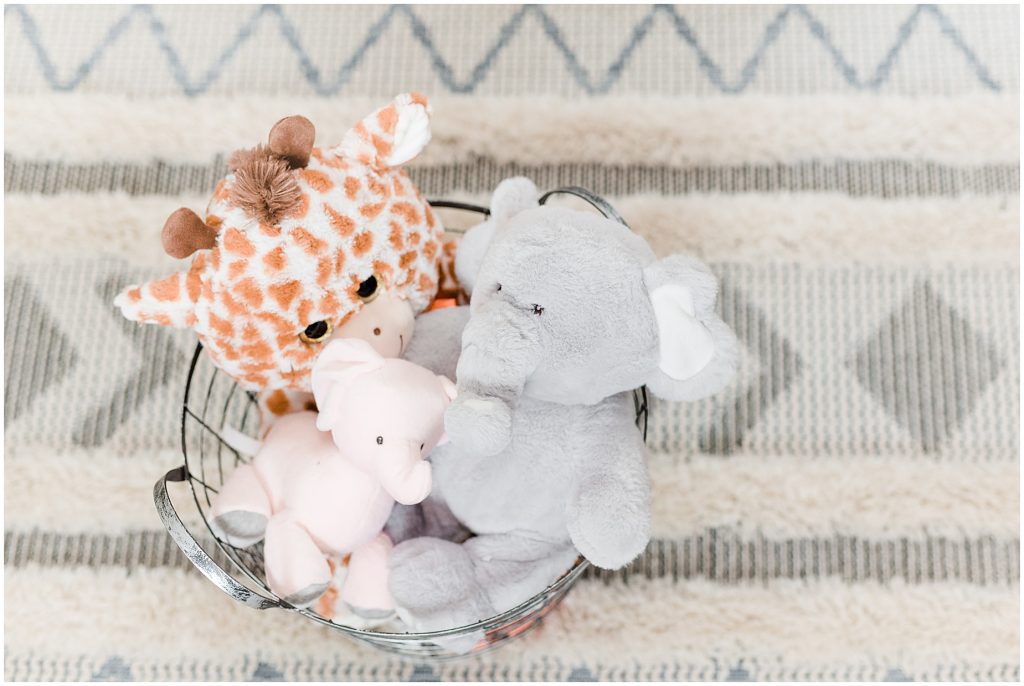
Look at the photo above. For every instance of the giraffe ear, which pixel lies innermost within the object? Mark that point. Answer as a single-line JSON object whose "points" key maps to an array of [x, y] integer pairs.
{"points": [[391, 136], [169, 301]]}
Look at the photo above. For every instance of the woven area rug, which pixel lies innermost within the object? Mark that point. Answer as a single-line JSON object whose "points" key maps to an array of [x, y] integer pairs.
{"points": [[846, 509]]}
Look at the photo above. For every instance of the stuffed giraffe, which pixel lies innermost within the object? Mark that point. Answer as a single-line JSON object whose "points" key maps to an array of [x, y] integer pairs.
{"points": [[299, 244]]}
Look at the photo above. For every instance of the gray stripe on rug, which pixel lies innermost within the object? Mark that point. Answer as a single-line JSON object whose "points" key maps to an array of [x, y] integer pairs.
{"points": [[714, 554], [883, 178]]}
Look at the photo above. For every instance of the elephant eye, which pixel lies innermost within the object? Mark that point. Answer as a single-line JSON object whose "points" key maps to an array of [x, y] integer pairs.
{"points": [[380, 440], [369, 289], [316, 332], [537, 309], [497, 287]]}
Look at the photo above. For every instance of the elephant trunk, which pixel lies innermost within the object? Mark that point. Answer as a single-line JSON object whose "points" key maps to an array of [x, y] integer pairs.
{"points": [[500, 350]]}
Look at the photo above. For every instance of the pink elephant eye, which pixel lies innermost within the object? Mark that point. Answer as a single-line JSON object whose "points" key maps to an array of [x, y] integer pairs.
{"points": [[380, 440]]}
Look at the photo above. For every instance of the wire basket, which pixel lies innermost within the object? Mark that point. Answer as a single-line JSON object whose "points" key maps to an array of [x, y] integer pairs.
{"points": [[213, 400]]}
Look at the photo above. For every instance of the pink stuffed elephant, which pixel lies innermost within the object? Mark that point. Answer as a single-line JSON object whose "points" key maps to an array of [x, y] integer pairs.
{"points": [[310, 494]]}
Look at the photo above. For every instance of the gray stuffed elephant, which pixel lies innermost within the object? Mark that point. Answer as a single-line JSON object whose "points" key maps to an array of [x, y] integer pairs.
{"points": [[570, 311]]}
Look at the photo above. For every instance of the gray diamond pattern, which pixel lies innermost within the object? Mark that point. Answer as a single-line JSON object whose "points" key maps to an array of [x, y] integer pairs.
{"points": [[927, 366], [36, 353]]}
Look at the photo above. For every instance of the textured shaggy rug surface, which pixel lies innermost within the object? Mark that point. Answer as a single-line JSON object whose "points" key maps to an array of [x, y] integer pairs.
{"points": [[846, 509]]}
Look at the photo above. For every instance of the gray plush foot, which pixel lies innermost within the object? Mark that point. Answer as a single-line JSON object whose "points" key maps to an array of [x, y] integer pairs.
{"points": [[371, 613], [240, 528], [434, 583], [306, 596]]}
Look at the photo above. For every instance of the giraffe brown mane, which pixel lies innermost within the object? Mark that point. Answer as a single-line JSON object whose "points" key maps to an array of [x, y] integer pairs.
{"points": [[264, 184]]}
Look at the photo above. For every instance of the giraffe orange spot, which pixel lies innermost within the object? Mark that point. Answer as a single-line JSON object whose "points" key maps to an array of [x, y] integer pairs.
{"points": [[398, 187], [227, 349], [277, 402], [361, 131], [396, 238], [213, 221], [215, 259], [293, 377], [329, 305], [207, 291], [342, 224], [249, 291], [382, 146], [371, 210], [378, 188], [280, 323], [157, 318], [387, 118], [385, 271], [284, 340], [269, 230], [135, 294], [256, 379], [236, 242], [167, 289], [406, 212], [431, 219], [426, 284], [352, 186], [305, 309], [301, 207], [221, 192], [317, 180], [414, 238], [430, 249], [324, 271], [255, 365], [339, 261], [362, 244], [285, 293], [307, 241], [259, 350], [302, 353], [234, 308], [275, 259], [250, 332], [419, 99], [237, 268], [221, 326], [407, 259]]}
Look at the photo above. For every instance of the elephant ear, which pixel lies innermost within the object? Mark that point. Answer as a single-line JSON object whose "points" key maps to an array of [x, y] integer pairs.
{"points": [[338, 365], [511, 197], [697, 351]]}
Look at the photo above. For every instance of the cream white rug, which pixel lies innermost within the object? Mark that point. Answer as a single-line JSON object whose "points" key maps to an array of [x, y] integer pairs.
{"points": [[847, 509]]}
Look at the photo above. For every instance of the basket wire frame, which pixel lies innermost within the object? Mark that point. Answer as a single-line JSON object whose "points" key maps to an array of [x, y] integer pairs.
{"points": [[212, 400]]}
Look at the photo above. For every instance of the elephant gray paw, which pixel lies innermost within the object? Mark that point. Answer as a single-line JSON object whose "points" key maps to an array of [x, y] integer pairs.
{"points": [[433, 583], [240, 528], [306, 596], [479, 426]]}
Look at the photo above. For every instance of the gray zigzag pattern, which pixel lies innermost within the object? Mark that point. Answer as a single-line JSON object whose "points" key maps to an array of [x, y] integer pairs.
{"points": [[594, 85]]}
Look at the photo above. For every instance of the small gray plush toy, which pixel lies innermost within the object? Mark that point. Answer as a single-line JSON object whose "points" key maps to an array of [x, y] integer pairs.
{"points": [[570, 311]]}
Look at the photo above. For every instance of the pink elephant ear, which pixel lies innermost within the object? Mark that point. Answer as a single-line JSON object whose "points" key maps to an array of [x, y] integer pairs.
{"points": [[339, 364]]}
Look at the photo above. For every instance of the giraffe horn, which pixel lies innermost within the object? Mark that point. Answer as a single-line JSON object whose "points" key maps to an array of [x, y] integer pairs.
{"points": [[184, 233], [292, 139]]}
